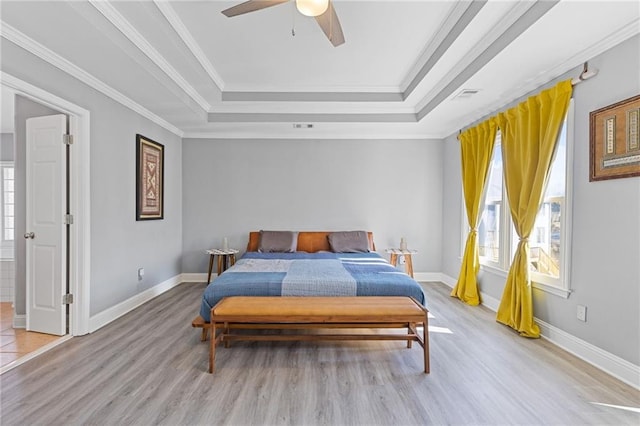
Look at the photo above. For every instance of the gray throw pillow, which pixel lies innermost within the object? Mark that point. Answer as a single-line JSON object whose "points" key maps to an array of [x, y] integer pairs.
{"points": [[278, 242], [349, 242]]}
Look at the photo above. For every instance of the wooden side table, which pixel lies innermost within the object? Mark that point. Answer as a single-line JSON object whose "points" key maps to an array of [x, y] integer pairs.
{"points": [[408, 265], [226, 259]]}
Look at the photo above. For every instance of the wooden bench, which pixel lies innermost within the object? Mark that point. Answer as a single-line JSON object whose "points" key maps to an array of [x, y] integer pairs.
{"points": [[371, 312]]}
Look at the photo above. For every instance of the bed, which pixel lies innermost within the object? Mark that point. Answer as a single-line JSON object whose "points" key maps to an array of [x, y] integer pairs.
{"points": [[310, 267]]}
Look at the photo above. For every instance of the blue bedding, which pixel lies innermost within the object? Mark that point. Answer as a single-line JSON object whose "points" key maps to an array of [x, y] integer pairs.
{"points": [[310, 274]]}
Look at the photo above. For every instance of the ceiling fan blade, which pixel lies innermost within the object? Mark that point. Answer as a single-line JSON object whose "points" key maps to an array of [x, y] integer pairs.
{"points": [[330, 24], [251, 6]]}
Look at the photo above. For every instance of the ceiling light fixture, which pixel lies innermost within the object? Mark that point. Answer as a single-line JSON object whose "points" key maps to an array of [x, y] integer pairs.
{"points": [[312, 7]]}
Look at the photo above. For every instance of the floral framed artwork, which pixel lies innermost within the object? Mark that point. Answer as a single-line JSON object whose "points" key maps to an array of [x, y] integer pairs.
{"points": [[149, 179], [614, 140]]}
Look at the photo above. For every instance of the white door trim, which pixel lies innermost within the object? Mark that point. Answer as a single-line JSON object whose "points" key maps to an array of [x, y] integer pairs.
{"points": [[79, 191]]}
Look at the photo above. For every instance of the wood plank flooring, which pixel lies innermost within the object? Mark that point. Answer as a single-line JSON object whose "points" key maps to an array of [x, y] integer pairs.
{"points": [[149, 367]]}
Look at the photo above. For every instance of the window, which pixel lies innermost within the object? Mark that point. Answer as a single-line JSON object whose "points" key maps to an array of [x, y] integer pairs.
{"points": [[550, 238], [546, 238], [7, 195], [489, 233]]}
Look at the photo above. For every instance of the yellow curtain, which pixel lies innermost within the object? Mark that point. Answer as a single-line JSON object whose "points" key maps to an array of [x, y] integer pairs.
{"points": [[476, 147], [529, 134]]}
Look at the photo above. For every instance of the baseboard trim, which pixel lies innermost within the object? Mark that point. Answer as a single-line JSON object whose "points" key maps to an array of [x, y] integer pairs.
{"points": [[611, 364], [425, 277], [19, 321], [197, 277], [108, 315]]}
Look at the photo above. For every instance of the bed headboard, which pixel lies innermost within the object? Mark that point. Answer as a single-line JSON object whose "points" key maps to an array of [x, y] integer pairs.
{"points": [[309, 241]]}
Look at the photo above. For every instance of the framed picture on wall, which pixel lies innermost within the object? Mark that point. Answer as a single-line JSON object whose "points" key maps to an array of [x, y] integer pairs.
{"points": [[149, 179], [614, 140]]}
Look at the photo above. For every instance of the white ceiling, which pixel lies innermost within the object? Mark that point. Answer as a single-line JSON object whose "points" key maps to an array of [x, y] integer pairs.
{"points": [[201, 74]]}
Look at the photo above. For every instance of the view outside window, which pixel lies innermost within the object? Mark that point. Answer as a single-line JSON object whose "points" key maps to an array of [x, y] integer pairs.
{"points": [[490, 221], [7, 203], [545, 239]]}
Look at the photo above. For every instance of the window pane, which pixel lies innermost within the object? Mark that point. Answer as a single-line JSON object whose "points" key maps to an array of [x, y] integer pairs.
{"points": [[545, 240], [489, 228], [7, 198]]}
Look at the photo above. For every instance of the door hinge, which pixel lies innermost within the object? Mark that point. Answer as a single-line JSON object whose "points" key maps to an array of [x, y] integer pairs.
{"points": [[67, 139], [68, 219], [67, 299]]}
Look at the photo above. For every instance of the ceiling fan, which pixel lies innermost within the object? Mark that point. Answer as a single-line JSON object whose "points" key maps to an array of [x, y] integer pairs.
{"points": [[322, 10]]}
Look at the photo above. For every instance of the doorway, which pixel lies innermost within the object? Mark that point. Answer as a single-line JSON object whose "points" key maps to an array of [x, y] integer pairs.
{"points": [[78, 190], [34, 172]]}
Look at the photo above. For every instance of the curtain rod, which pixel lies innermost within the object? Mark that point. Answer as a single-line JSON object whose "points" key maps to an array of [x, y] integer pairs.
{"points": [[586, 74]]}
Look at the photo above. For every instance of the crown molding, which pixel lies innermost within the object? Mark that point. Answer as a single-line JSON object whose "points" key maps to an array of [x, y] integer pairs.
{"points": [[184, 34], [18, 38], [125, 27], [456, 11], [513, 94], [305, 107], [215, 117], [449, 37], [498, 32], [329, 135], [353, 95]]}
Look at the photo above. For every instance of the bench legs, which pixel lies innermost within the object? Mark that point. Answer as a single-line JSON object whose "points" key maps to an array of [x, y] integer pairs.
{"points": [[425, 345], [224, 335]]}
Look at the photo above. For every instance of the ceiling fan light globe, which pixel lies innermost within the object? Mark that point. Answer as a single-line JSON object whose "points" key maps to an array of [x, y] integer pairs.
{"points": [[312, 7]]}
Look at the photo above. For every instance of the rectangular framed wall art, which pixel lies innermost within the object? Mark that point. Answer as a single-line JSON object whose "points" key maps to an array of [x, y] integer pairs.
{"points": [[149, 179], [614, 140]]}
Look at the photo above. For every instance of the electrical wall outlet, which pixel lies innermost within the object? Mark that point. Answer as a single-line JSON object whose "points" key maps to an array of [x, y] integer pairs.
{"points": [[581, 313], [140, 273], [402, 260]]}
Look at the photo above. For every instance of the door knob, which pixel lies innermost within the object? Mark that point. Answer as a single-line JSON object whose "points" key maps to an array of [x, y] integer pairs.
{"points": [[29, 235]]}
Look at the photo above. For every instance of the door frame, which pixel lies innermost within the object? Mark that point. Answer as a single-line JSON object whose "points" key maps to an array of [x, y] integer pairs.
{"points": [[79, 192]]}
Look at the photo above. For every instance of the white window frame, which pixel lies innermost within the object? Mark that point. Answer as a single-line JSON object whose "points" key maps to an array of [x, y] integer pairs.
{"points": [[561, 286], [558, 286], [6, 246]]}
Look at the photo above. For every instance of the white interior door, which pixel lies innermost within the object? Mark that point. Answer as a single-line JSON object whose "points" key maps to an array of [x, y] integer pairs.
{"points": [[46, 241]]}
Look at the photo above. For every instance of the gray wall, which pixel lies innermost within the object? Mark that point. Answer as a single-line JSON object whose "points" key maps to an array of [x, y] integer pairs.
{"points": [[605, 271], [119, 244], [393, 188], [6, 147]]}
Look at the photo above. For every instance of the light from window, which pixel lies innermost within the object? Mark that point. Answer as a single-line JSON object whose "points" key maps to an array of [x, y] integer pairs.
{"points": [[8, 197], [545, 241], [491, 219], [549, 240]]}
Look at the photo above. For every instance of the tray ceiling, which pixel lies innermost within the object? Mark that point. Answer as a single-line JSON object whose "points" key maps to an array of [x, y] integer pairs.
{"points": [[201, 74]]}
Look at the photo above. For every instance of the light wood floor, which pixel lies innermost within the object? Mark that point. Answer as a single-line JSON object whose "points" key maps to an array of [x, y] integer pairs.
{"points": [[17, 342], [149, 367]]}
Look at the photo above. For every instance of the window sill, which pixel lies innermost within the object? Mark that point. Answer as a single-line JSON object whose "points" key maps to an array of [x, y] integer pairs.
{"points": [[494, 270], [556, 291]]}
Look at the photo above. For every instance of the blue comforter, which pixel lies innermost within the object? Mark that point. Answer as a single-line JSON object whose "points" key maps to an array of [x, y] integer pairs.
{"points": [[310, 274]]}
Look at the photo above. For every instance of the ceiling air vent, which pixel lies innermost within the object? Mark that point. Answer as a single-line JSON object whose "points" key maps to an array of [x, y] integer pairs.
{"points": [[302, 126], [466, 93]]}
